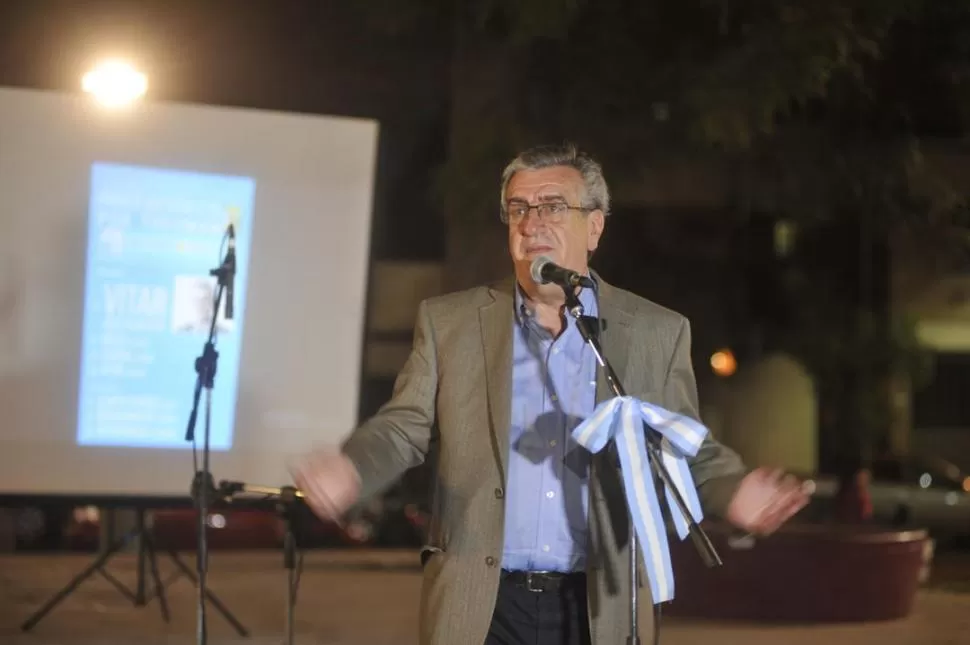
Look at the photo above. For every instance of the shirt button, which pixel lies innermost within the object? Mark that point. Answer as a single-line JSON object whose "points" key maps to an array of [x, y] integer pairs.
{"points": [[552, 443], [550, 494], [490, 561], [499, 493], [546, 548], [554, 397]]}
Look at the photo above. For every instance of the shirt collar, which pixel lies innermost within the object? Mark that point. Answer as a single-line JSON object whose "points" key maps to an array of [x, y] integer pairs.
{"points": [[587, 298]]}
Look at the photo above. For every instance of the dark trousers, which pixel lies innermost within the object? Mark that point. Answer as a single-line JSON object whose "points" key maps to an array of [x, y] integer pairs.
{"points": [[557, 615]]}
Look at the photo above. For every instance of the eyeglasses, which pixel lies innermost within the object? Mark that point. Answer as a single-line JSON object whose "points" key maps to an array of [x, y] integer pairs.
{"points": [[549, 212]]}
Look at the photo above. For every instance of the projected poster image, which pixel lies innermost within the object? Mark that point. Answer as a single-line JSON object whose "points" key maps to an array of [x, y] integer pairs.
{"points": [[154, 237], [193, 304]]}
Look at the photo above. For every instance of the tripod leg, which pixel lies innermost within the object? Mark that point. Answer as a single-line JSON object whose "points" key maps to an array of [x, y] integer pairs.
{"points": [[149, 545], [208, 594], [140, 563], [120, 586], [76, 582]]}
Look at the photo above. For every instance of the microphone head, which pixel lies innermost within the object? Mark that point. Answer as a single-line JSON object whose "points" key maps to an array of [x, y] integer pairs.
{"points": [[233, 216], [536, 269]]}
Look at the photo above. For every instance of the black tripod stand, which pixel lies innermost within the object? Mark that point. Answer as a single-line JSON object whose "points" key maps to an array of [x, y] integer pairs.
{"points": [[139, 597]]}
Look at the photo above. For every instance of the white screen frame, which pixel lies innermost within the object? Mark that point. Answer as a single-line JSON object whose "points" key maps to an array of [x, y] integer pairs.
{"points": [[301, 362]]}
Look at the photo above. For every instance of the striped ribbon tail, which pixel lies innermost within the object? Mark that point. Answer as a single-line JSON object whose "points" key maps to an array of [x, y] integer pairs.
{"points": [[622, 419], [682, 437]]}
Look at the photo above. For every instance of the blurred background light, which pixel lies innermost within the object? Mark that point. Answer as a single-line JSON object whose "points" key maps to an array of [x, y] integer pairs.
{"points": [[115, 83], [723, 362]]}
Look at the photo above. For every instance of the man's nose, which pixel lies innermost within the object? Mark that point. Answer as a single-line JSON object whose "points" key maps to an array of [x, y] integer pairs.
{"points": [[531, 223]]}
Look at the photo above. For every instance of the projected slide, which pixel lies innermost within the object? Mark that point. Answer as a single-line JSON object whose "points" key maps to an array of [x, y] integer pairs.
{"points": [[154, 235]]}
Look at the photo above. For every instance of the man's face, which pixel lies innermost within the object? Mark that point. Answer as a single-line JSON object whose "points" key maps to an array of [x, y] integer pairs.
{"points": [[566, 241]]}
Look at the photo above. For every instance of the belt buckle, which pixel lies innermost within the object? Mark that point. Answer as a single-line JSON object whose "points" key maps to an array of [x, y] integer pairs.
{"points": [[528, 583]]}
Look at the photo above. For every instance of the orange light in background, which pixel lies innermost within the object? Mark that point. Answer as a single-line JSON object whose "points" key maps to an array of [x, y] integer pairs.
{"points": [[723, 362]]}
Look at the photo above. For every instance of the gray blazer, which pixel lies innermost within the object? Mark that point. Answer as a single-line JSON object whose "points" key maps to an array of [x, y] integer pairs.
{"points": [[454, 393]]}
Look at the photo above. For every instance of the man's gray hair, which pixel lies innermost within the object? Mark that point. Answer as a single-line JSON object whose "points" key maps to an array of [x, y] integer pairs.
{"points": [[597, 194]]}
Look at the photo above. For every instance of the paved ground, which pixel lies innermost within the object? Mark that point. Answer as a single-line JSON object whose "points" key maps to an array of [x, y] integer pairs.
{"points": [[363, 598]]}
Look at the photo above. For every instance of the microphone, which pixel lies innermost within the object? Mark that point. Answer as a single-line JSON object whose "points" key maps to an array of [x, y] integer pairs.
{"points": [[230, 269], [545, 271], [285, 493]]}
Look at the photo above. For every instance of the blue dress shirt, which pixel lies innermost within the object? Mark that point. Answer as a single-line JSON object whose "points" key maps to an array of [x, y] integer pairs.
{"points": [[553, 391]]}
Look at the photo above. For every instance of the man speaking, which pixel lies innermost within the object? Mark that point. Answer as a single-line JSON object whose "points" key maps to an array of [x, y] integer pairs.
{"points": [[529, 536]]}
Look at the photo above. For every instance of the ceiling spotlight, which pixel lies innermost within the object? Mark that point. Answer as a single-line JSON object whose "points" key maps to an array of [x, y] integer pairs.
{"points": [[115, 83]]}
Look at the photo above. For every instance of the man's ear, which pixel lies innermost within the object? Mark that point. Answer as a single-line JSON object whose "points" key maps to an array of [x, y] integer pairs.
{"points": [[595, 222]]}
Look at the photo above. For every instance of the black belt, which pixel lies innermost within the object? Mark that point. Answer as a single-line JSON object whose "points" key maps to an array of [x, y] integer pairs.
{"points": [[543, 581]]}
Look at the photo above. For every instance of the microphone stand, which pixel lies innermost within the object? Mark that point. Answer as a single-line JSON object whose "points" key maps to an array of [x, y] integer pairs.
{"points": [[287, 499], [701, 541], [202, 482]]}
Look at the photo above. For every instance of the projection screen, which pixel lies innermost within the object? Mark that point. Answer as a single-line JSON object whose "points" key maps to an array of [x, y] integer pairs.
{"points": [[111, 222]]}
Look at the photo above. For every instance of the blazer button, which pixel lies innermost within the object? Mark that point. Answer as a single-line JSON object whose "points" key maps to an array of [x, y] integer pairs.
{"points": [[490, 561], [499, 493]]}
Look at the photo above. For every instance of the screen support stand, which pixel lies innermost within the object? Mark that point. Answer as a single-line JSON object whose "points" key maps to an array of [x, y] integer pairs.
{"points": [[139, 597]]}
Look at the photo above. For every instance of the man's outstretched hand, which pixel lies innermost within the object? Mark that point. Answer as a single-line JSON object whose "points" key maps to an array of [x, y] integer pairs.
{"points": [[329, 482], [766, 499]]}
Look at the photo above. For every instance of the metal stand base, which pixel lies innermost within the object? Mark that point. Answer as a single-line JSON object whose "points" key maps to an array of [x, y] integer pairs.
{"points": [[140, 597]]}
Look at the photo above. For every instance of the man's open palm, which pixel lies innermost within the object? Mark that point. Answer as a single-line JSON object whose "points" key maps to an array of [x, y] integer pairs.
{"points": [[765, 500]]}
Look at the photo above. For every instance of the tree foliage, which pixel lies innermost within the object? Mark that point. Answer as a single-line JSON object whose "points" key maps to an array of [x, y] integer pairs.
{"points": [[820, 108], [723, 72]]}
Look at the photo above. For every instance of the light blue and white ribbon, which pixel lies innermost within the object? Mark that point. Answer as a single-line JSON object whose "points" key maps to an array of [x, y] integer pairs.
{"points": [[623, 418]]}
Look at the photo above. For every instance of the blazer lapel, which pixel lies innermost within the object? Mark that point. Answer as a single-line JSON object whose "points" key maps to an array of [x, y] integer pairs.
{"points": [[495, 318]]}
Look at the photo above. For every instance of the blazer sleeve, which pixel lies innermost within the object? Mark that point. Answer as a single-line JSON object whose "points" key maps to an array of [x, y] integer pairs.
{"points": [[716, 469], [397, 438]]}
